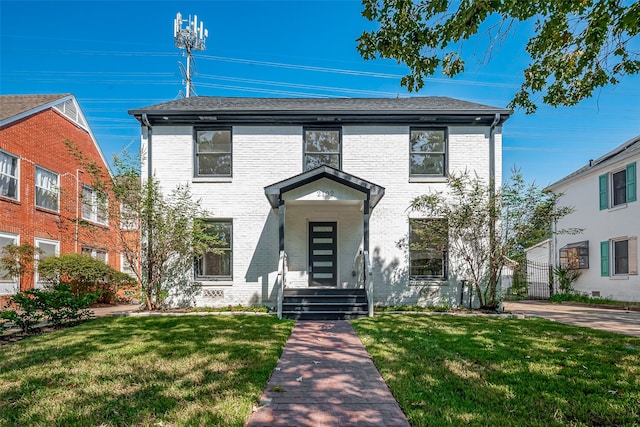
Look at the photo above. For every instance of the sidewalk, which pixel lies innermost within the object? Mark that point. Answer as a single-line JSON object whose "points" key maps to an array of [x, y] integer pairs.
{"points": [[325, 377]]}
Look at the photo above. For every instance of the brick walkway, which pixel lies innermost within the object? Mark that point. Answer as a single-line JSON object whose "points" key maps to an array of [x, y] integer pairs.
{"points": [[325, 377]]}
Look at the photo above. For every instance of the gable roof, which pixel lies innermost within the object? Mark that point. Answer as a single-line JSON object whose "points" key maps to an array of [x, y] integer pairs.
{"points": [[16, 107], [274, 191], [381, 110], [621, 152]]}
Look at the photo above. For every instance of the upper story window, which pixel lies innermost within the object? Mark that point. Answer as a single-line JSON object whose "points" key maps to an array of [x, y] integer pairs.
{"points": [[94, 205], [217, 263], [213, 152], [428, 243], [8, 175], [322, 147], [619, 187], [428, 152], [47, 189], [128, 217]]}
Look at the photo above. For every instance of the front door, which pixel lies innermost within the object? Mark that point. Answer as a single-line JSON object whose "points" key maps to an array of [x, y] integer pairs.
{"points": [[323, 254]]}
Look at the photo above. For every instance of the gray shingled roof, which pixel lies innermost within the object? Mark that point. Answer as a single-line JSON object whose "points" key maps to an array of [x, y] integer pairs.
{"points": [[13, 105], [628, 148], [210, 104]]}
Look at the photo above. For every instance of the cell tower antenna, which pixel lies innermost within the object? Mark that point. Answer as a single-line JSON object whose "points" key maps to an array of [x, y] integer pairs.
{"points": [[189, 38]]}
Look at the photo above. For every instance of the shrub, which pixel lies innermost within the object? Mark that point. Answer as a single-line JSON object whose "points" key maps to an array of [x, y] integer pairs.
{"points": [[566, 277], [57, 305], [86, 275], [27, 316]]}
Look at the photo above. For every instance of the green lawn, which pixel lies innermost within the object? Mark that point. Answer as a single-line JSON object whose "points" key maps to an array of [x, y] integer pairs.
{"points": [[463, 370], [141, 371]]}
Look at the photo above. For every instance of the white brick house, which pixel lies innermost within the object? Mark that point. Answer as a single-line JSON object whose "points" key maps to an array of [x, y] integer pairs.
{"points": [[604, 195], [315, 192]]}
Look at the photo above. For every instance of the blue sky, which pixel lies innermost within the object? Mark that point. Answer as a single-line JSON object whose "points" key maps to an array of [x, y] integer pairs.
{"points": [[119, 55]]}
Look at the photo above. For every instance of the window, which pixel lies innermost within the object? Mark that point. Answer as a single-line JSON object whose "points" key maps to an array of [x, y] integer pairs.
{"points": [[47, 190], [575, 255], [321, 147], [428, 241], [618, 187], [8, 175], [48, 248], [125, 266], [94, 205], [128, 217], [99, 254], [217, 262], [213, 152], [428, 152], [8, 285], [619, 257]]}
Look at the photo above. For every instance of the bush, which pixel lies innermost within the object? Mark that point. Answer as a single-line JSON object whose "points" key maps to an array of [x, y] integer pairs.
{"points": [[28, 315], [57, 305], [566, 277], [86, 275]]}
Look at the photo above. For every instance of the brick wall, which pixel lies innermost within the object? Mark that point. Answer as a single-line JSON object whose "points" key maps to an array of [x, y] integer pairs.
{"points": [[40, 140]]}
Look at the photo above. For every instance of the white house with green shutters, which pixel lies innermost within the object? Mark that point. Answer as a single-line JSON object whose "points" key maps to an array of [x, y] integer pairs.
{"points": [[604, 195], [311, 196]]}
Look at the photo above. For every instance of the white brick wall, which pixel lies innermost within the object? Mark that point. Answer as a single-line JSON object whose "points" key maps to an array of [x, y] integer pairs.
{"points": [[263, 155], [600, 225]]}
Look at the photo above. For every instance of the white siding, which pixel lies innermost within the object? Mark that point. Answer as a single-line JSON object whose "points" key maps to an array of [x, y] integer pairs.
{"points": [[599, 225]]}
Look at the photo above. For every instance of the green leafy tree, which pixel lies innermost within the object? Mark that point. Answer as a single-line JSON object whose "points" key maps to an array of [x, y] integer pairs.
{"points": [[158, 232], [484, 227], [171, 233], [577, 46]]}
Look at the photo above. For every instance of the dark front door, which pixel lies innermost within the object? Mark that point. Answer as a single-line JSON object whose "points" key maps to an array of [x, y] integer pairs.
{"points": [[323, 254]]}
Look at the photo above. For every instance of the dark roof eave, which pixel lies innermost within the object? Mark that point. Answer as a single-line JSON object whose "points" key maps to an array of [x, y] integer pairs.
{"points": [[471, 117]]}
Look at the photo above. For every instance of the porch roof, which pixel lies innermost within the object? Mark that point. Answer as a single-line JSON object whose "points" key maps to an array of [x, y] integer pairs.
{"points": [[274, 191]]}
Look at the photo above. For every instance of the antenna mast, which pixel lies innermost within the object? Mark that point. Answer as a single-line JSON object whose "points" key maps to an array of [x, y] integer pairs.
{"points": [[189, 38]]}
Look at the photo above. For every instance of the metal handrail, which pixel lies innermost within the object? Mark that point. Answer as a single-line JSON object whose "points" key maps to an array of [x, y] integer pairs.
{"points": [[368, 282], [280, 282]]}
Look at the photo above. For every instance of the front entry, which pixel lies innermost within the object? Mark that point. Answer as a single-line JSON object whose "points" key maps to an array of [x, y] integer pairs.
{"points": [[323, 254]]}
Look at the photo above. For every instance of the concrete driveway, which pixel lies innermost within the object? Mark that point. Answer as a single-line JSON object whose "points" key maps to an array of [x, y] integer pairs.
{"points": [[612, 320]]}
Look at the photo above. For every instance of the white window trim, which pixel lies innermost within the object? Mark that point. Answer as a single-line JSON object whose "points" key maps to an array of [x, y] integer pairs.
{"points": [[36, 243], [10, 286], [94, 253], [94, 207], [55, 189], [123, 262], [17, 176]]}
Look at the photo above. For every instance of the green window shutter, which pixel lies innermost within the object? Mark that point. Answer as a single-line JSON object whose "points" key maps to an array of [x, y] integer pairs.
{"points": [[631, 182], [604, 258], [604, 197]]}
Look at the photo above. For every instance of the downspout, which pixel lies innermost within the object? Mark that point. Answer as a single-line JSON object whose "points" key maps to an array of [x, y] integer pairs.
{"points": [[145, 121], [492, 194]]}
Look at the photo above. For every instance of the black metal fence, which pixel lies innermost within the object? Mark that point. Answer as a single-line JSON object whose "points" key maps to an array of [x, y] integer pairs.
{"points": [[530, 280]]}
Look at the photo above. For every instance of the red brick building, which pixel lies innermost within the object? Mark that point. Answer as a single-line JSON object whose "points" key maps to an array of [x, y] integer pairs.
{"points": [[50, 163]]}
